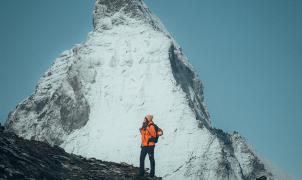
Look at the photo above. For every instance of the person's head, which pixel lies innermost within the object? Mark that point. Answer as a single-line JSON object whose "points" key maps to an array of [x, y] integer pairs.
{"points": [[148, 118]]}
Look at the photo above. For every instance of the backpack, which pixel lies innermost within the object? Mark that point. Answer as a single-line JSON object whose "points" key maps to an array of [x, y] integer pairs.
{"points": [[159, 132]]}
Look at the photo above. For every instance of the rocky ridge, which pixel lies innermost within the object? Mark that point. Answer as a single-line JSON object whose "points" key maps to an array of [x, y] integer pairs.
{"points": [[29, 159]]}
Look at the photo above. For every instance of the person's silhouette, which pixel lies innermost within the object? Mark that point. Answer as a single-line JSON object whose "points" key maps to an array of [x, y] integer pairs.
{"points": [[147, 147]]}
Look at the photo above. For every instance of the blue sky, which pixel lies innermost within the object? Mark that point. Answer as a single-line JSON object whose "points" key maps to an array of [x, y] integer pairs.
{"points": [[247, 53]]}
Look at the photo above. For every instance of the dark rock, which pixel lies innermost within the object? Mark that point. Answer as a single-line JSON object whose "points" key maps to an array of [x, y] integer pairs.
{"points": [[186, 78], [262, 178], [1, 128], [29, 159]]}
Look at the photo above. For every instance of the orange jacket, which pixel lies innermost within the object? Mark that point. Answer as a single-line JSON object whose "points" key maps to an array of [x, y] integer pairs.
{"points": [[147, 133]]}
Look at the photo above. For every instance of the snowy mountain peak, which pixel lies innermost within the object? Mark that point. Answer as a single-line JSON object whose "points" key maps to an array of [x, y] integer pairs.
{"points": [[92, 101], [110, 7], [108, 13]]}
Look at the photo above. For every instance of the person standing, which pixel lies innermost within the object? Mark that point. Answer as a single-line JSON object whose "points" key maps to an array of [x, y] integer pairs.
{"points": [[148, 136]]}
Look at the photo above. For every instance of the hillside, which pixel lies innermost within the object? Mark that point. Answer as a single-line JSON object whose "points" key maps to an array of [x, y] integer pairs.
{"points": [[29, 159]]}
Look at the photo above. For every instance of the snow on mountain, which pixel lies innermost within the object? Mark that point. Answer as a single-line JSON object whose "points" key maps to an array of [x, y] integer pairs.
{"points": [[92, 101]]}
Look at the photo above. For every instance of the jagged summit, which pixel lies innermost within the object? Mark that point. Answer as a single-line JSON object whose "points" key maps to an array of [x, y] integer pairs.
{"points": [[108, 13], [133, 8]]}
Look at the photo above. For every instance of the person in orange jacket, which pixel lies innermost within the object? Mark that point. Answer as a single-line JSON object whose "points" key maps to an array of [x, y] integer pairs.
{"points": [[147, 146]]}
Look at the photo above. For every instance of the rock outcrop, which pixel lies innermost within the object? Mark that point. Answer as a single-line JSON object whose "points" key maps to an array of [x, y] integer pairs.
{"points": [[29, 159]]}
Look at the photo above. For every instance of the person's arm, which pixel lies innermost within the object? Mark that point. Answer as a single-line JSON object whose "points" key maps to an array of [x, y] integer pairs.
{"points": [[160, 132], [144, 126], [151, 130]]}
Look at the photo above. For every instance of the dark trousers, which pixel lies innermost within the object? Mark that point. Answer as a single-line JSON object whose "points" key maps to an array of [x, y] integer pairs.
{"points": [[144, 151]]}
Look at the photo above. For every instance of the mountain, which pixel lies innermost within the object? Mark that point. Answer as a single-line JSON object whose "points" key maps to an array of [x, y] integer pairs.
{"points": [[28, 159], [93, 98]]}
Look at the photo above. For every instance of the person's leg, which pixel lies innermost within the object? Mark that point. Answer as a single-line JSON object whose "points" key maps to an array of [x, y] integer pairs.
{"points": [[142, 161], [152, 161]]}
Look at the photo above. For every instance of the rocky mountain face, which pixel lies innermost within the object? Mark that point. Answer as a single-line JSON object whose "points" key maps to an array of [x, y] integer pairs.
{"points": [[29, 159], [92, 101]]}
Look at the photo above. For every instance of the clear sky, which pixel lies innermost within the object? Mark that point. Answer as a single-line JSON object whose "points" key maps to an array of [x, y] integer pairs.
{"points": [[247, 52]]}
